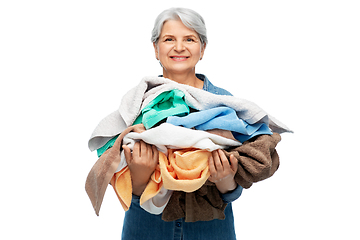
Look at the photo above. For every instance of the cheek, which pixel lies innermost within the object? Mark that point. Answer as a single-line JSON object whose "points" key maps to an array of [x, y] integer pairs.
{"points": [[196, 51], [164, 50]]}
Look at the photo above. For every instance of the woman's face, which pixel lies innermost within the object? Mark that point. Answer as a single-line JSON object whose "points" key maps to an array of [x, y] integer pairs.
{"points": [[179, 48]]}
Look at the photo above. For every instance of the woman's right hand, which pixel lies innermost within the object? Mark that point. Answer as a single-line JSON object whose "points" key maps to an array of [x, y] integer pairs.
{"points": [[142, 162]]}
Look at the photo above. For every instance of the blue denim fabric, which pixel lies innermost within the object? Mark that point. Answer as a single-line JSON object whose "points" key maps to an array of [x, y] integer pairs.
{"points": [[141, 225], [209, 87]]}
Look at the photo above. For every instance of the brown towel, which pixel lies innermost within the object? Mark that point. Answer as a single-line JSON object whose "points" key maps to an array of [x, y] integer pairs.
{"points": [[204, 204], [103, 170], [257, 159]]}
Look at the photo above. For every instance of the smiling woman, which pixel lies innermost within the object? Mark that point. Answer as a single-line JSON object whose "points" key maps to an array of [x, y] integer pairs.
{"points": [[179, 48]]}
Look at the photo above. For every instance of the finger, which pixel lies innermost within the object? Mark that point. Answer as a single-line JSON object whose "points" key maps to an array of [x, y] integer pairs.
{"points": [[136, 150], [234, 163], [143, 148], [224, 159], [217, 161], [155, 153], [212, 166], [127, 152]]}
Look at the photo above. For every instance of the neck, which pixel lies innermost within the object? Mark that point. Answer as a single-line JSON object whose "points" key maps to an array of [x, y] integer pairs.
{"points": [[188, 78]]}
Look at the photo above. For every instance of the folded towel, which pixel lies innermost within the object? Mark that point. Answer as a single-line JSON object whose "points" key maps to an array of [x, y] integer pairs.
{"points": [[220, 118], [150, 87]]}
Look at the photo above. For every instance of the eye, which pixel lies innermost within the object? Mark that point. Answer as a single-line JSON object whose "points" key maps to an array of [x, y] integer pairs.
{"points": [[190, 40], [168, 39]]}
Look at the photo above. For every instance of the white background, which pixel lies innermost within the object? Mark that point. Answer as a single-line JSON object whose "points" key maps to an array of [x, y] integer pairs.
{"points": [[64, 65]]}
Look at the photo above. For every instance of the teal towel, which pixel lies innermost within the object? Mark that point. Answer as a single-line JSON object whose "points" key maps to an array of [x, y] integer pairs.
{"points": [[170, 103]]}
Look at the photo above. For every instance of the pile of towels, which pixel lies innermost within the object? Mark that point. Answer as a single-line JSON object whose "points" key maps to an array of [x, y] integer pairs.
{"points": [[185, 124]]}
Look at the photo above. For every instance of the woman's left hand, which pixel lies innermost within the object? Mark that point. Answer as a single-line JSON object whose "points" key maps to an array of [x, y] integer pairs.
{"points": [[221, 172]]}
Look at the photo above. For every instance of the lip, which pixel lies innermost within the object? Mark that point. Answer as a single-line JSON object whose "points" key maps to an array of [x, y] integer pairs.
{"points": [[179, 58]]}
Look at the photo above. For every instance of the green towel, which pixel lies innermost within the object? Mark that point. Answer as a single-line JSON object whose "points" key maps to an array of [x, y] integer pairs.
{"points": [[170, 103]]}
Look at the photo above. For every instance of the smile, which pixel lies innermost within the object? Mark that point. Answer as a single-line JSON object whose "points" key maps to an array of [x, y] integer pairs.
{"points": [[179, 58]]}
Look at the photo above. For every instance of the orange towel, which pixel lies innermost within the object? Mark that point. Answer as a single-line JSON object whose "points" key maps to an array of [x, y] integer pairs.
{"points": [[185, 170], [122, 185]]}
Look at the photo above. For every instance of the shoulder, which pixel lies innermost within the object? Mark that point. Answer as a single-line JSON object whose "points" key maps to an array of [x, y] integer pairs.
{"points": [[209, 87]]}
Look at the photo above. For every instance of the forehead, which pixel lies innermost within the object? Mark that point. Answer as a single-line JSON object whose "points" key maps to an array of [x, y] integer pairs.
{"points": [[176, 28]]}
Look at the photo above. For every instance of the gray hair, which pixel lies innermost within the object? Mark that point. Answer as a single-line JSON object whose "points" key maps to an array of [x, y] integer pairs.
{"points": [[188, 17]]}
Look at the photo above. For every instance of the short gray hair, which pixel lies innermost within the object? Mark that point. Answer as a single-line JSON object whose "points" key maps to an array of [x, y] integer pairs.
{"points": [[188, 17]]}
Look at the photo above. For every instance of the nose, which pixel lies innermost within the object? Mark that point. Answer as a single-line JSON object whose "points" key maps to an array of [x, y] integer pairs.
{"points": [[179, 46]]}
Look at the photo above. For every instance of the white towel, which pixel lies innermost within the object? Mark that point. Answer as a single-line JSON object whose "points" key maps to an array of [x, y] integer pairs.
{"points": [[170, 136]]}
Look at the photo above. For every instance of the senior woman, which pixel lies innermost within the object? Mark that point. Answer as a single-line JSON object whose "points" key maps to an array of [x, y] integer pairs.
{"points": [[179, 39], [160, 202]]}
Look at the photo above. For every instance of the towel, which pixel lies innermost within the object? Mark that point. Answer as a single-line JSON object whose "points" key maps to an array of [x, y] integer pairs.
{"points": [[167, 137], [205, 204], [220, 118], [150, 87], [136, 100], [122, 185], [257, 158], [169, 103], [103, 170], [185, 170]]}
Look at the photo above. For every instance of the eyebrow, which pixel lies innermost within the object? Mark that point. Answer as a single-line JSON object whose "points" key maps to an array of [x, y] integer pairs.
{"points": [[186, 36]]}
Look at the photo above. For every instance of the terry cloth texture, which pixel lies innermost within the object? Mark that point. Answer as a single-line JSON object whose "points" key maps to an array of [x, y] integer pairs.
{"points": [[221, 118], [197, 99], [167, 136], [122, 185], [103, 170], [150, 87], [205, 204], [184, 170], [257, 158], [167, 104]]}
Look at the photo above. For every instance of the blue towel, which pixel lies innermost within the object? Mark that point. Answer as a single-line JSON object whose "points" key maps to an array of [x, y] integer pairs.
{"points": [[224, 118]]}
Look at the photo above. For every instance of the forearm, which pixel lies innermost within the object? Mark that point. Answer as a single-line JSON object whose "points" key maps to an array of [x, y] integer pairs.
{"points": [[226, 184]]}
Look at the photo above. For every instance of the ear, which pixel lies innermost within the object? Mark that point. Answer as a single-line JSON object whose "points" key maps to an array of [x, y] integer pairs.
{"points": [[156, 51], [202, 51]]}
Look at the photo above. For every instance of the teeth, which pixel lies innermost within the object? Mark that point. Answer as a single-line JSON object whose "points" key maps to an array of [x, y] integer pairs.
{"points": [[179, 57]]}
